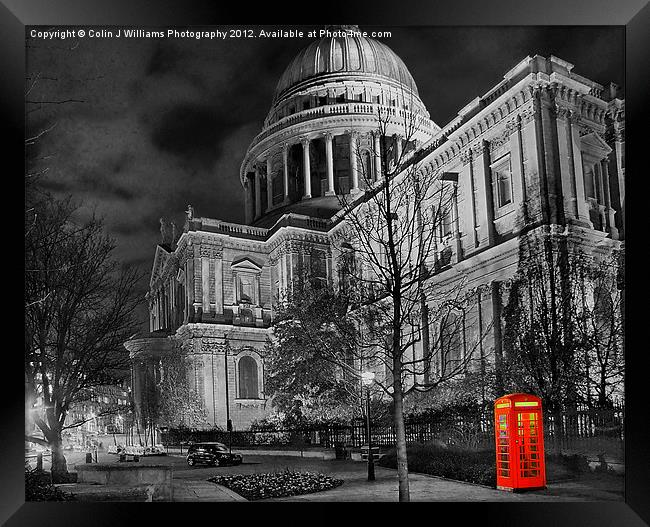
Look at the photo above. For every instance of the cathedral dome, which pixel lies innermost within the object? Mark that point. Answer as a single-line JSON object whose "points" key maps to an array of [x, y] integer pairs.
{"points": [[335, 55]]}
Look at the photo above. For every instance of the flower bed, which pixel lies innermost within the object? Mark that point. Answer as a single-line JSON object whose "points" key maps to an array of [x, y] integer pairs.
{"points": [[276, 484]]}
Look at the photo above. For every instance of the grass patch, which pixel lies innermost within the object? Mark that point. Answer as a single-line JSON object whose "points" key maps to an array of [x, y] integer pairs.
{"points": [[452, 463], [478, 466], [276, 484]]}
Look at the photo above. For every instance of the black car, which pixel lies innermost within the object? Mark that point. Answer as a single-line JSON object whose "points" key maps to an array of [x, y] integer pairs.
{"points": [[212, 454]]}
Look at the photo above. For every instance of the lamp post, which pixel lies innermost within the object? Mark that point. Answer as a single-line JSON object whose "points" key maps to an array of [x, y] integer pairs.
{"points": [[368, 377], [228, 421]]}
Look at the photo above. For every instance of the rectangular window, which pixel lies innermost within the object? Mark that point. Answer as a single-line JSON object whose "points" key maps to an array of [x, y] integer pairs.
{"points": [[446, 222], [502, 178], [590, 188]]}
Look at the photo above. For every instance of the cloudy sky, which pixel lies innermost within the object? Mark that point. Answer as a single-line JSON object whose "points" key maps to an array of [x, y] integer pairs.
{"points": [[139, 128]]}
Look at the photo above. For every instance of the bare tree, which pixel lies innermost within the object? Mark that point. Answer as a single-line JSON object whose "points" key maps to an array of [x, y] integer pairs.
{"points": [[563, 324], [79, 308], [600, 328], [388, 313]]}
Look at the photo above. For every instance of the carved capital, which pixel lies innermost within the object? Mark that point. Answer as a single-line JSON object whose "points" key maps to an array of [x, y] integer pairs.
{"points": [[210, 251], [466, 156]]}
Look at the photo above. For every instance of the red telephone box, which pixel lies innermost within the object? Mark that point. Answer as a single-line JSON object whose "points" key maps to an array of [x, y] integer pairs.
{"points": [[519, 436]]}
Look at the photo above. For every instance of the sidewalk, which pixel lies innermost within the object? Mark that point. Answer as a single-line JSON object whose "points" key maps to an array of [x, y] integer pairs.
{"points": [[422, 488], [190, 490]]}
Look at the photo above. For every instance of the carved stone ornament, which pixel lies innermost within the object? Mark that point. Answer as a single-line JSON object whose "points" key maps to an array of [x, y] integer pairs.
{"points": [[211, 346], [210, 251]]}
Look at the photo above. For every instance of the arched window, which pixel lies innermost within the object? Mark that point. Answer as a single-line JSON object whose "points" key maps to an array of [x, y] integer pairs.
{"points": [[248, 378]]}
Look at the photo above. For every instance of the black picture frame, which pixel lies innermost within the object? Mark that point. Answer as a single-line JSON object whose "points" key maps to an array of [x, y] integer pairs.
{"points": [[633, 14]]}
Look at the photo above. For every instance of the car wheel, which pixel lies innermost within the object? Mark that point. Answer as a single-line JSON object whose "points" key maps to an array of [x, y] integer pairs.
{"points": [[190, 461]]}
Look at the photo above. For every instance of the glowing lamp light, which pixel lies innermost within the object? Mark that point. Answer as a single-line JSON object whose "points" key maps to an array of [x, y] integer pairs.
{"points": [[367, 377]]}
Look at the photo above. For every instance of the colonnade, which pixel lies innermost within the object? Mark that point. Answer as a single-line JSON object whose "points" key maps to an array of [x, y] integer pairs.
{"points": [[328, 138]]}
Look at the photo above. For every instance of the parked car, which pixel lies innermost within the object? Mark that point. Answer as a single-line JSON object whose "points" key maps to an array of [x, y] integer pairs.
{"points": [[212, 454]]}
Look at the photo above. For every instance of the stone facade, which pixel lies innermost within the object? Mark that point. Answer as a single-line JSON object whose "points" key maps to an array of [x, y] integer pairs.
{"points": [[543, 149]]}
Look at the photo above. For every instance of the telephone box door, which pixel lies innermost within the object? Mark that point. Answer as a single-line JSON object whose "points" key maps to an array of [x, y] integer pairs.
{"points": [[505, 473], [529, 445]]}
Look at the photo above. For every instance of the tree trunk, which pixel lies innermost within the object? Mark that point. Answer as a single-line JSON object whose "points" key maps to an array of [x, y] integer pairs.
{"points": [[559, 431], [59, 465], [400, 437]]}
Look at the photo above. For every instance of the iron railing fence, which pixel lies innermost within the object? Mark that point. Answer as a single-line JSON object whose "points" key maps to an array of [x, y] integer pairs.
{"points": [[581, 428]]}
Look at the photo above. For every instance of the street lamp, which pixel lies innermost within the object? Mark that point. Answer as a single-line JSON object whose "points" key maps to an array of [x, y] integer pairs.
{"points": [[368, 377]]}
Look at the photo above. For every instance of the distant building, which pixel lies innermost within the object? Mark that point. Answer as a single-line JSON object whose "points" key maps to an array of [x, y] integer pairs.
{"points": [[104, 411], [543, 143]]}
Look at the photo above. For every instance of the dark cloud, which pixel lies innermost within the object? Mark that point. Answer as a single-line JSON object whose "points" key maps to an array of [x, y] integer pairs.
{"points": [[192, 131]]}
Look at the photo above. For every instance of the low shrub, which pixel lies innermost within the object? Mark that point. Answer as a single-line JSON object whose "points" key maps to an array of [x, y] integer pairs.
{"points": [[448, 462], [478, 466], [38, 487], [276, 484]]}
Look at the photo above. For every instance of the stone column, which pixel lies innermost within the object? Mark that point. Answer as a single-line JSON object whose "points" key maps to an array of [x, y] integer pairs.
{"points": [[579, 177], [258, 194], [285, 172], [485, 205], [600, 193], [518, 174], [377, 149], [572, 171], [218, 283], [354, 175], [329, 159], [609, 210], [248, 201], [470, 205], [306, 168], [398, 148], [205, 285], [269, 184]]}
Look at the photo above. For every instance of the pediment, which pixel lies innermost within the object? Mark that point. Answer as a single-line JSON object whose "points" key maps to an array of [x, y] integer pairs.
{"points": [[594, 148], [159, 261], [246, 264]]}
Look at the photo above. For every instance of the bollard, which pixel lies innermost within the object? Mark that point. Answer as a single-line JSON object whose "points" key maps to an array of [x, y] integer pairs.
{"points": [[89, 457], [39, 461]]}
